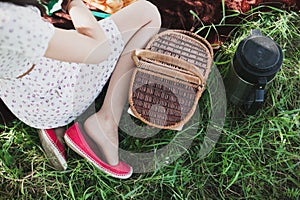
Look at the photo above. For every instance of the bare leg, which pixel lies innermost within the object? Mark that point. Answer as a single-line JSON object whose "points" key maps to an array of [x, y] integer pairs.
{"points": [[60, 131], [137, 24]]}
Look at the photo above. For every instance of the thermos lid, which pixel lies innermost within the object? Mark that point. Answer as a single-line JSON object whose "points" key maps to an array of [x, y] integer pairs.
{"points": [[257, 56]]}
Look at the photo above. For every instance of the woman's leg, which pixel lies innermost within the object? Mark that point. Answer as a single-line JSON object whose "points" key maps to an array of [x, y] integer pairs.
{"points": [[137, 24], [60, 131]]}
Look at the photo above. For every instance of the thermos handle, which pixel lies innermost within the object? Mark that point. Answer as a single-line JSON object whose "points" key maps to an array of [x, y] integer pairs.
{"points": [[259, 96]]}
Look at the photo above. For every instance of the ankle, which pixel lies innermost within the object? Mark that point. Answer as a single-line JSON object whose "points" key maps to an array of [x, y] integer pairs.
{"points": [[60, 132], [104, 133], [105, 122]]}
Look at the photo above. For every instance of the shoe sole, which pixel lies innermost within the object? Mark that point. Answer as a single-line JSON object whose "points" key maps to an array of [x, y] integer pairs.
{"points": [[74, 147], [53, 154]]}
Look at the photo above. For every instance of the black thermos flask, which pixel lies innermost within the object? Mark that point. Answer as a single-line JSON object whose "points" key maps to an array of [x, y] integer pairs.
{"points": [[255, 63]]}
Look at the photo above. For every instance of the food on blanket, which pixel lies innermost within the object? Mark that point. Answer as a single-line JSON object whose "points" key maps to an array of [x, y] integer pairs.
{"points": [[109, 6]]}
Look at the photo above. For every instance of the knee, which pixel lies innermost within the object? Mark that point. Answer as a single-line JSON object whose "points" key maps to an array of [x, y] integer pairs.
{"points": [[152, 12]]}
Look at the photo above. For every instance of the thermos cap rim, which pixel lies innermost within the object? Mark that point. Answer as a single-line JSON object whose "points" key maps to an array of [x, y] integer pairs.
{"points": [[261, 53], [257, 56]]}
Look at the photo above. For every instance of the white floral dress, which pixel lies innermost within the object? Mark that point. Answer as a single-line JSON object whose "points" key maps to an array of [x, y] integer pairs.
{"points": [[54, 93]]}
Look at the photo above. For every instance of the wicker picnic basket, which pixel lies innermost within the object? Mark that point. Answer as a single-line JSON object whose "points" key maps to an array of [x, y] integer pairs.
{"points": [[169, 78]]}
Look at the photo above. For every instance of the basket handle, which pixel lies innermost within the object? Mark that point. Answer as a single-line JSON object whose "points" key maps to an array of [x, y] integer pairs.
{"points": [[141, 53]]}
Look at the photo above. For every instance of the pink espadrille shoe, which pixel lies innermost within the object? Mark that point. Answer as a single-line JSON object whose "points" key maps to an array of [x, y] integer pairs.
{"points": [[54, 149], [75, 140]]}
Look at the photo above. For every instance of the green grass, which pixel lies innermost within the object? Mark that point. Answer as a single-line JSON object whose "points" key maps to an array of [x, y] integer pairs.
{"points": [[256, 157]]}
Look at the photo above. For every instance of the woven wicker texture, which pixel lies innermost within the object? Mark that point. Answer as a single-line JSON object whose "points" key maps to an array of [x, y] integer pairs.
{"points": [[184, 45], [167, 84]]}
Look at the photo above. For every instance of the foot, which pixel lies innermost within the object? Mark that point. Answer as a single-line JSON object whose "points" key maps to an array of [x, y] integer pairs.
{"points": [[53, 147], [75, 140], [104, 133]]}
